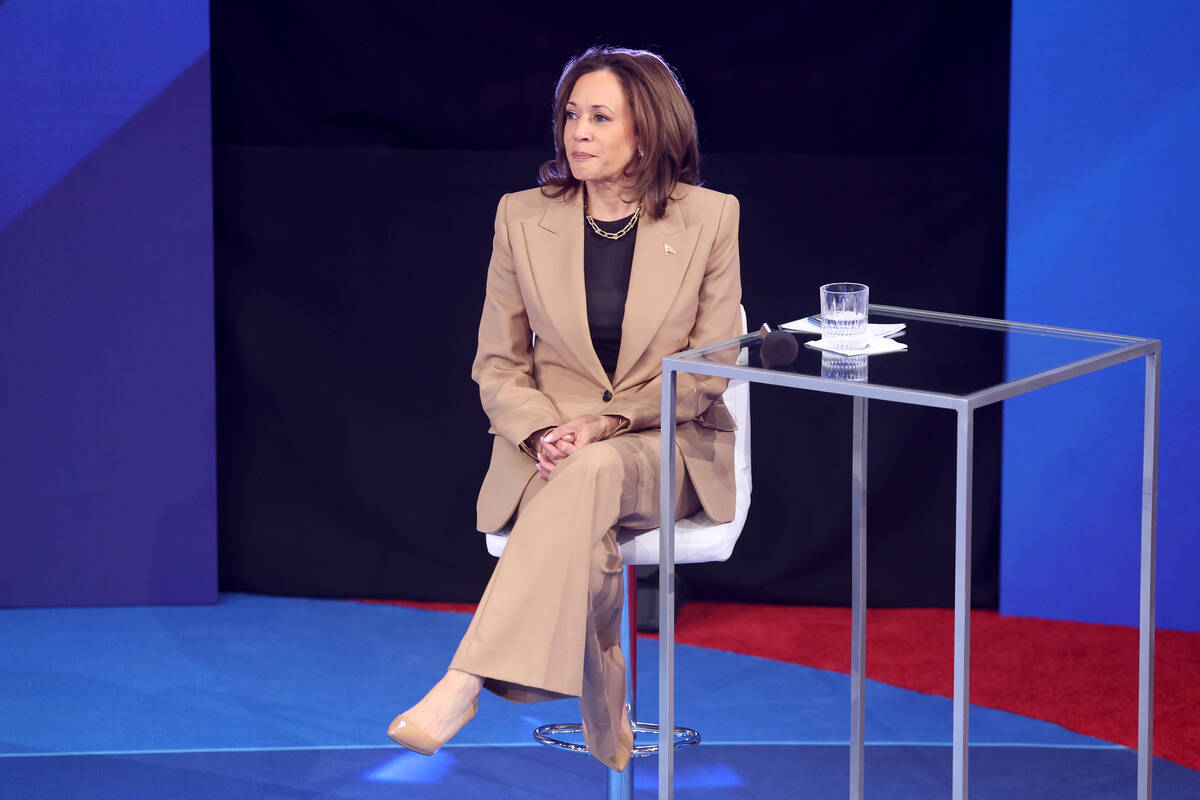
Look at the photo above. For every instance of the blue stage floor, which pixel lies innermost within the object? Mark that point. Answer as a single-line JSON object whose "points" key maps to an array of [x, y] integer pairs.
{"points": [[261, 697]]}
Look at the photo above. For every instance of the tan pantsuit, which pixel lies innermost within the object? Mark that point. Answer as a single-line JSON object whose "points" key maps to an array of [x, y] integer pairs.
{"points": [[548, 623]]}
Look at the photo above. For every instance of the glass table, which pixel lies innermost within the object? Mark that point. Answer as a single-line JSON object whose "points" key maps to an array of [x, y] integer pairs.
{"points": [[939, 369]]}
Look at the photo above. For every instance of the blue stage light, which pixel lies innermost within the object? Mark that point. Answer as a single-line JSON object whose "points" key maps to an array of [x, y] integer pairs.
{"points": [[717, 775], [413, 768]]}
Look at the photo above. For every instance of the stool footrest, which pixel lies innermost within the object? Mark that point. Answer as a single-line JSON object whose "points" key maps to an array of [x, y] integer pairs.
{"points": [[546, 734]]}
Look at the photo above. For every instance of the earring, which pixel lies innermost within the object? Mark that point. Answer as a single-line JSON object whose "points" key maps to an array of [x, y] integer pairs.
{"points": [[641, 154]]}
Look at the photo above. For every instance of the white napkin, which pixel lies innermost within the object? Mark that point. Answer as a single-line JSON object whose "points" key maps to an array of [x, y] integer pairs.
{"points": [[874, 346], [806, 325]]}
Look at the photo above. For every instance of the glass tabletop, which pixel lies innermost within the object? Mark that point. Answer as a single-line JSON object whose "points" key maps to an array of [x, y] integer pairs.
{"points": [[947, 354]]}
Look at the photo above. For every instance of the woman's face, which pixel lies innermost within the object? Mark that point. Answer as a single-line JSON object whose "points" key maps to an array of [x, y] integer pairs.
{"points": [[598, 135]]}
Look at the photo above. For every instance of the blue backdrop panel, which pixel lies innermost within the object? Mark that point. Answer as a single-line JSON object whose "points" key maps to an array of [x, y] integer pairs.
{"points": [[73, 71], [107, 421], [1104, 193]]}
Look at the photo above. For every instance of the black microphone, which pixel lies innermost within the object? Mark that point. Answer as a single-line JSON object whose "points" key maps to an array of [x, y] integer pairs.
{"points": [[778, 348]]}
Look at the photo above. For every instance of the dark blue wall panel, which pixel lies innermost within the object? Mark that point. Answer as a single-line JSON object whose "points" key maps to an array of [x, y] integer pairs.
{"points": [[107, 420], [1104, 197]]}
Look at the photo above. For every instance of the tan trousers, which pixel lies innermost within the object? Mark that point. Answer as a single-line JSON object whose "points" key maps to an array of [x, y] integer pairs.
{"points": [[548, 625]]}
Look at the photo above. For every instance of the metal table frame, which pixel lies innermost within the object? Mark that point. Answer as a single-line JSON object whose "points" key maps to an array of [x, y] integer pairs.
{"points": [[1126, 348]]}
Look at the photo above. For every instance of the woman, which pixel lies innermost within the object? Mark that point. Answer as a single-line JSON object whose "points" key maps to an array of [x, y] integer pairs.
{"points": [[615, 261]]}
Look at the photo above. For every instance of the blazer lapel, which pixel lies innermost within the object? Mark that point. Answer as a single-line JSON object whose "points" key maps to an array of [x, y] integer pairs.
{"points": [[660, 258], [555, 246]]}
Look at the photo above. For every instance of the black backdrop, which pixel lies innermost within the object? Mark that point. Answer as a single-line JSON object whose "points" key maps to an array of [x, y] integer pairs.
{"points": [[360, 149]]}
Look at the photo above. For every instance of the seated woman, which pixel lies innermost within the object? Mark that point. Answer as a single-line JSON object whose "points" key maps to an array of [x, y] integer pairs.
{"points": [[617, 260]]}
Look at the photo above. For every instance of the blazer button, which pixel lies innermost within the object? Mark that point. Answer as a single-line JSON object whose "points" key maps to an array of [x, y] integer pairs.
{"points": [[606, 396]]}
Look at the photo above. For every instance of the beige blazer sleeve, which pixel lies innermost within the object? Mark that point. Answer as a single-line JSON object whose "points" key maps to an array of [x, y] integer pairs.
{"points": [[503, 365]]}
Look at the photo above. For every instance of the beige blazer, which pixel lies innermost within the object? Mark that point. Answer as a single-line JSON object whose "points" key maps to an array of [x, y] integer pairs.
{"points": [[536, 366]]}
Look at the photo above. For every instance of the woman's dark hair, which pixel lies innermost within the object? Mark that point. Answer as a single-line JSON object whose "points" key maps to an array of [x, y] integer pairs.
{"points": [[663, 121]]}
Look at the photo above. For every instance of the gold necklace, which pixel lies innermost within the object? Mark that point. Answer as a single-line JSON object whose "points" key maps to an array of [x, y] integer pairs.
{"points": [[601, 232]]}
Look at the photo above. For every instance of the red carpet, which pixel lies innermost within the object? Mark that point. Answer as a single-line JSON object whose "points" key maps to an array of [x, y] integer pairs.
{"points": [[1080, 676]]}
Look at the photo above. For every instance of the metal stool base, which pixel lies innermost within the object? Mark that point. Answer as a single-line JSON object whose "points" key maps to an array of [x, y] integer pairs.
{"points": [[545, 734]]}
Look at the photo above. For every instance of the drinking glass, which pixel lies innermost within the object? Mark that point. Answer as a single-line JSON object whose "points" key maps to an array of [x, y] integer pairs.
{"points": [[844, 368], [844, 315]]}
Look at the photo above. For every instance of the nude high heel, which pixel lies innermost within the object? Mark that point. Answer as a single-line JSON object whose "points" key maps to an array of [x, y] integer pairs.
{"points": [[405, 733]]}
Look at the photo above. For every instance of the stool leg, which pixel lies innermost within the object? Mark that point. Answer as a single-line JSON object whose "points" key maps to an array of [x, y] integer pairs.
{"points": [[620, 784], [631, 626]]}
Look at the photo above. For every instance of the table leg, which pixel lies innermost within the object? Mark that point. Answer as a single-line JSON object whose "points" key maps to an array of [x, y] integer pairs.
{"points": [[666, 593], [1148, 559], [858, 598], [964, 474]]}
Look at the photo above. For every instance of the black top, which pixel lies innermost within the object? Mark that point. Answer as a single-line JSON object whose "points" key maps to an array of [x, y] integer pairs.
{"points": [[607, 264]]}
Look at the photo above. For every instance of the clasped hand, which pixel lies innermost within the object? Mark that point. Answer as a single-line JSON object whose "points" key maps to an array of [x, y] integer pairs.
{"points": [[558, 443]]}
